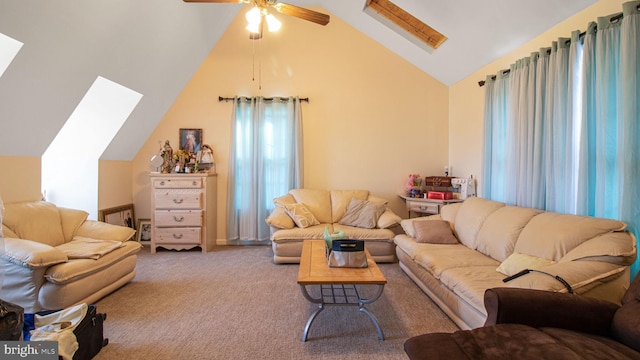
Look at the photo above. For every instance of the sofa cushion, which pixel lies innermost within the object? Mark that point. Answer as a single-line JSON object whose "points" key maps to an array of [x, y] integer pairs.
{"points": [[38, 221], [297, 234], [449, 212], [301, 215], [6, 232], [341, 199], [434, 232], [499, 232], [104, 231], [31, 253], [317, 201], [470, 217], [552, 235], [77, 268], [613, 247], [87, 248], [284, 199], [470, 282], [626, 325], [71, 220], [437, 258], [362, 214], [280, 219], [356, 233], [377, 199], [517, 262], [626, 322], [582, 276]]}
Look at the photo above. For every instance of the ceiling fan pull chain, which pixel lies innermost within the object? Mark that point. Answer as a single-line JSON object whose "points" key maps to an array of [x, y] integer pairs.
{"points": [[253, 61], [260, 65]]}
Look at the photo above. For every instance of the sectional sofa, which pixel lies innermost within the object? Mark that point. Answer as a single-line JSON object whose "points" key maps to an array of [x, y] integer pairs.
{"points": [[473, 246]]}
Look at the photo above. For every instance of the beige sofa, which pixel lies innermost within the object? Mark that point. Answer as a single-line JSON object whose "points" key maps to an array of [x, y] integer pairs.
{"points": [[54, 257], [591, 254], [374, 222]]}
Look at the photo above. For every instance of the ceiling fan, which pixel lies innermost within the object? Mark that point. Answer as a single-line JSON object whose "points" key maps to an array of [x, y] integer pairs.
{"points": [[283, 8]]}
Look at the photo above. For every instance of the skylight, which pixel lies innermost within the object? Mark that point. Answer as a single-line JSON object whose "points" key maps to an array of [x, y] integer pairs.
{"points": [[70, 164], [9, 48]]}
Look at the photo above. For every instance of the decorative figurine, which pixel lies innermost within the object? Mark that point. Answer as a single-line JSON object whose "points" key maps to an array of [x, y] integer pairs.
{"points": [[167, 156], [204, 158]]}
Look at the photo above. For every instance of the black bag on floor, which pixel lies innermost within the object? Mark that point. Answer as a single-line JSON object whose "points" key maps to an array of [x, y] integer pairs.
{"points": [[89, 333], [11, 321]]}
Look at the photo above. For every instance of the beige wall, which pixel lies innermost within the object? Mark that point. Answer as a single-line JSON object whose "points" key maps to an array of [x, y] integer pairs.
{"points": [[20, 178], [372, 118], [114, 185], [466, 98]]}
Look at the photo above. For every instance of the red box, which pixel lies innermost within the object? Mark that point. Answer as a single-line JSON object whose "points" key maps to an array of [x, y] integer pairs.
{"points": [[440, 195]]}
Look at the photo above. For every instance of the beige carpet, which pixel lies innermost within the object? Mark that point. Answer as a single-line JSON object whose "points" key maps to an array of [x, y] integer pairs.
{"points": [[235, 303]]}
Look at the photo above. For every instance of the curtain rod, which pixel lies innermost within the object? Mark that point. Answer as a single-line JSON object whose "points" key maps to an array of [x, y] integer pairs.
{"points": [[225, 99], [582, 34]]}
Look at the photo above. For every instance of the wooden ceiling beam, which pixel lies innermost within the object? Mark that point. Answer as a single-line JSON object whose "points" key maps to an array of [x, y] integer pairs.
{"points": [[407, 22]]}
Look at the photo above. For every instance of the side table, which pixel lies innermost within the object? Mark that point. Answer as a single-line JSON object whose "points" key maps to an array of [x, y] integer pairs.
{"points": [[426, 206]]}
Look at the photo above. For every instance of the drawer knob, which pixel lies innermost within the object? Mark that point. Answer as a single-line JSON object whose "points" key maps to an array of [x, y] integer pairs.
{"points": [[194, 183], [178, 219], [178, 201], [177, 236]]}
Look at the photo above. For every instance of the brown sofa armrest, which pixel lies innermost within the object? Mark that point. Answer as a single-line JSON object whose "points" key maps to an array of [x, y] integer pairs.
{"points": [[539, 308]]}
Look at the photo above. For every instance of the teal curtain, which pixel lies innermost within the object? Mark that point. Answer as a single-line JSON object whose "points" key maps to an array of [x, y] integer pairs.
{"points": [[495, 115], [565, 136], [629, 162], [265, 162]]}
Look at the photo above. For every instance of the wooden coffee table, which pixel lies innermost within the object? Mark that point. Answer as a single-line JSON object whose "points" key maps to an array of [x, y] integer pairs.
{"points": [[337, 285]]}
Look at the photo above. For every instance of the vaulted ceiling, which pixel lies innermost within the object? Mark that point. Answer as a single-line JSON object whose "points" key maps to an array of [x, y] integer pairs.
{"points": [[154, 47]]}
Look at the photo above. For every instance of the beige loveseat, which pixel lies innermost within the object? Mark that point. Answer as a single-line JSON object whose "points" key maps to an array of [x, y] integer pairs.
{"points": [[358, 214], [54, 257], [591, 254]]}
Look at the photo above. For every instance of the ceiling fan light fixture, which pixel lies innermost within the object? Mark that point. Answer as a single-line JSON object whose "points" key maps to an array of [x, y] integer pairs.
{"points": [[253, 28], [254, 16], [272, 23]]}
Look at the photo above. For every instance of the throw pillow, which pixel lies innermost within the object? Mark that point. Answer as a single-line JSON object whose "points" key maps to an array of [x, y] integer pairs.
{"points": [[301, 215], [517, 262], [280, 219], [434, 232], [388, 219], [362, 214]]}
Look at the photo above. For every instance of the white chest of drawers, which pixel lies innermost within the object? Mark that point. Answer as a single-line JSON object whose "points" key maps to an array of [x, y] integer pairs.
{"points": [[183, 211]]}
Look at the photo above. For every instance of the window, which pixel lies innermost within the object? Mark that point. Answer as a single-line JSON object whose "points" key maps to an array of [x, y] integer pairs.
{"points": [[265, 162]]}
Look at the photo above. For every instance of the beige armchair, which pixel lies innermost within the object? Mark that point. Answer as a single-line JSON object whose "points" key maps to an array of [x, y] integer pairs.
{"points": [[54, 257]]}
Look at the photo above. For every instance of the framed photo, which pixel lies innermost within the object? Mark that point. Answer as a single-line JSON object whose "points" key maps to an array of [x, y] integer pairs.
{"points": [[119, 215], [190, 140], [143, 234]]}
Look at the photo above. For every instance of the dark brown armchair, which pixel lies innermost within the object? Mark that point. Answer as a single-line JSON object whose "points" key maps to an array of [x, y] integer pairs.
{"points": [[534, 324]]}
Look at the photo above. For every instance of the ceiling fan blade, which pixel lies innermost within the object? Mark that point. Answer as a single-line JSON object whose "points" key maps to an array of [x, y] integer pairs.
{"points": [[302, 13]]}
